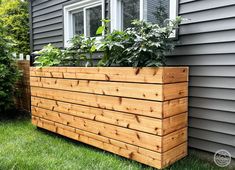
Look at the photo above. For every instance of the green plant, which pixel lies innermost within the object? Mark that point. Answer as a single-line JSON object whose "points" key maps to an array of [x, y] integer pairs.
{"points": [[9, 73], [83, 49], [15, 17], [49, 56], [112, 47], [150, 44], [111, 44], [143, 45]]}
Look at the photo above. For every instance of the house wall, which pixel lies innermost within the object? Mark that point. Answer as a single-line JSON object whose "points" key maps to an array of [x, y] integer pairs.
{"points": [[207, 45], [47, 22]]}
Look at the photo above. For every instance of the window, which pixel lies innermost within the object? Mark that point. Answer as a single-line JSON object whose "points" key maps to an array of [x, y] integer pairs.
{"points": [[130, 11], [93, 20], [155, 11], [78, 23], [82, 18]]}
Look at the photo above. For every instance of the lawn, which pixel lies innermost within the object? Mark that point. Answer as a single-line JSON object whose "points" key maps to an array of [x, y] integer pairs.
{"points": [[24, 147]]}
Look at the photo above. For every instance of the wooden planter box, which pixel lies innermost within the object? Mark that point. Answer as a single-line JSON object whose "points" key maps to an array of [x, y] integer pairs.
{"points": [[140, 114]]}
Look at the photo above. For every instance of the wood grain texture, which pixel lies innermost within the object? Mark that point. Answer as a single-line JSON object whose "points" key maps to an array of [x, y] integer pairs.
{"points": [[132, 90], [131, 121], [159, 75], [22, 97], [138, 113], [145, 140], [140, 107], [139, 154]]}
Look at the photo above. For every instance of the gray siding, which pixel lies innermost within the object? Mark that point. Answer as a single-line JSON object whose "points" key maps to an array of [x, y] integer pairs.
{"points": [[207, 45]]}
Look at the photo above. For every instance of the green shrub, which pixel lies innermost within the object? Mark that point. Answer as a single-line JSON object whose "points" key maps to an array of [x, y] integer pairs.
{"points": [[82, 49], [112, 46], [15, 17], [49, 56], [143, 45], [9, 74], [80, 53]]}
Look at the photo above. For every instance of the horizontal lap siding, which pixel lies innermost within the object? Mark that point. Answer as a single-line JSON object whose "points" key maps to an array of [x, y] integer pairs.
{"points": [[47, 23], [207, 44]]}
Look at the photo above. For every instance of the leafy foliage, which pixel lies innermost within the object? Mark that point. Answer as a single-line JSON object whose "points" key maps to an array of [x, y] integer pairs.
{"points": [[49, 56], [83, 49], [143, 45], [110, 44], [9, 73], [15, 19], [112, 47]]}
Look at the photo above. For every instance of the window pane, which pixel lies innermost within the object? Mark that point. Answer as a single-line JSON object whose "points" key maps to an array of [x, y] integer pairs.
{"points": [[78, 23], [131, 11], [93, 19], [156, 11]]}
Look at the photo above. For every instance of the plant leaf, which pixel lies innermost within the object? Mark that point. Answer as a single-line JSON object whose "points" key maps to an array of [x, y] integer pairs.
{"points": [[100, 30]]}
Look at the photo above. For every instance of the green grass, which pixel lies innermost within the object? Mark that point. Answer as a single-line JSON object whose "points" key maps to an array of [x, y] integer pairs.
{"points": [[24, 147]]}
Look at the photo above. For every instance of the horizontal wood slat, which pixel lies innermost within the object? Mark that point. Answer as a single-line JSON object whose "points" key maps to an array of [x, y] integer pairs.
{"points": [[140, 107], [159, 75], [138, 113], [140, 91], [126, 120], [126, 150], [149, 141]]}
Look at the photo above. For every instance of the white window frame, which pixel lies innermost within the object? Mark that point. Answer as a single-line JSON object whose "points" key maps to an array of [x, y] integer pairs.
{"points": [[116, 15], [173, 14], [69, 10]]}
